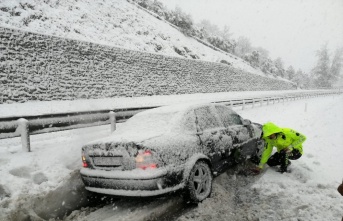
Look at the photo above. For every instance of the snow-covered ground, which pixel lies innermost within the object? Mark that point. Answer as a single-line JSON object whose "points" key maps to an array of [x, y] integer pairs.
{"points": [[307, 193]]}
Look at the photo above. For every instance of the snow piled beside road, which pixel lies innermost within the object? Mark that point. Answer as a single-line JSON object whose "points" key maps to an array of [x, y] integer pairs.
{"points": [[34, 108], [308, 193]]}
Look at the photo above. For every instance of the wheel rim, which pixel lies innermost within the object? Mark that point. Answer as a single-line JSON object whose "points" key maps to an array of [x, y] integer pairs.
{"points": [[201, 181]]}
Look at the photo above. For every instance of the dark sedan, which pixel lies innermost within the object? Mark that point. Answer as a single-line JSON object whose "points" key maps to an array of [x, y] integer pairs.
{"points": [[169, 148]]}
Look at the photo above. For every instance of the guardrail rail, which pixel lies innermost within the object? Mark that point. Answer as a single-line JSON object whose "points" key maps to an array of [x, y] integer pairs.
{"points": [[24, 126]]}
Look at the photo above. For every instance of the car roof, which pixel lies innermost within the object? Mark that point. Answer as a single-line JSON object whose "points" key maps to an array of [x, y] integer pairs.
{"points": [[177, 108], [173, 108]]}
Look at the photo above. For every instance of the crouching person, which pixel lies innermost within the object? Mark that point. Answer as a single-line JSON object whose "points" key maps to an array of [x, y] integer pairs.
{"points": [[287, 142]]}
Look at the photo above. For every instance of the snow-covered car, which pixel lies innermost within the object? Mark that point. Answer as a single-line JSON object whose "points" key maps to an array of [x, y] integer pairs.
{"points": [[169, 148]]}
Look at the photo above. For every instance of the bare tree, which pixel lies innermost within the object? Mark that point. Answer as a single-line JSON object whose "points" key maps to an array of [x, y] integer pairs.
{"points": [[243, 46], [210, 28], [321, 71], [336, 65], [280, 71], [225, 33], [290, 73]]}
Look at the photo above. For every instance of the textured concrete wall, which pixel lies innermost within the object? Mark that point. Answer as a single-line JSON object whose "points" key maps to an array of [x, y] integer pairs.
{"points": [[41, 67]]}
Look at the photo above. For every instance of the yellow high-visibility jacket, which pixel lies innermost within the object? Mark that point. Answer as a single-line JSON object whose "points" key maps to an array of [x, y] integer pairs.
{"points": [[286, 137]]}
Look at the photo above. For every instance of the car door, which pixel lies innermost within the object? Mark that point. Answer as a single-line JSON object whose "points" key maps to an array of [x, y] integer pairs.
{"points": [[208, 129], [243, 141]]}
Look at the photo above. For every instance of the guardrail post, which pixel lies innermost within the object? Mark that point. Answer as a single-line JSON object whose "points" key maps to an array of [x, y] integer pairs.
{"points": [[253, 103], [113, 121], [267, 100], [306, 107], [231, 104], [23, 125], [243, 105], [261, 101]]}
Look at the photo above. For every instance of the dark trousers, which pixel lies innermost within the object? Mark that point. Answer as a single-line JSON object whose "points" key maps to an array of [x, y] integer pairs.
{"points": [[282, 159]]}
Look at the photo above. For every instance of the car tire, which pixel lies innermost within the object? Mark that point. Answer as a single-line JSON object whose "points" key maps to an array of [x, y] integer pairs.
{"points": [[199, 184]]}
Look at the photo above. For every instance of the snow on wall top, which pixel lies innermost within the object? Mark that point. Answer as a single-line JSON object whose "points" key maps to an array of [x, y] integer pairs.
{"points": [[117, 23]]}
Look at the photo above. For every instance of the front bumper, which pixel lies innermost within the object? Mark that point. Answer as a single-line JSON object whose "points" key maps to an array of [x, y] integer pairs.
{"points": [[132, 183]]}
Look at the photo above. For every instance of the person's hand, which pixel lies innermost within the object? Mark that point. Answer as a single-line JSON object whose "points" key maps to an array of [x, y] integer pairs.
{"points": [[287, 151], [255, 170]]}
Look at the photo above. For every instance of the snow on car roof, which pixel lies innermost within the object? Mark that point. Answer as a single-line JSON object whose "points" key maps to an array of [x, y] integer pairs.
{"points": [[174, 108], [167, 109], [157, 121], [153, 123]]}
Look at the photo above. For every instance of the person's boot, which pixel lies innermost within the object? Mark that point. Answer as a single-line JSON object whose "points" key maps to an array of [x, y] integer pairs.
{"points": [[284, 167]]}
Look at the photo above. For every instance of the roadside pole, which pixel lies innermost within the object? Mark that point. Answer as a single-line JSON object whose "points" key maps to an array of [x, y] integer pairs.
{"points": [[23, 126]]}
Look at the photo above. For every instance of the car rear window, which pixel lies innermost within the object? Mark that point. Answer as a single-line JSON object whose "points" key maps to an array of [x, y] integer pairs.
{"points": [[159, 122], [228, 116], [206, 119]]}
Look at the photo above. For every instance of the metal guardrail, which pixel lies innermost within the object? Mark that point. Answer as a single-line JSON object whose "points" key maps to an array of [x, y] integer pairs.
{"points": [[25, 126]]}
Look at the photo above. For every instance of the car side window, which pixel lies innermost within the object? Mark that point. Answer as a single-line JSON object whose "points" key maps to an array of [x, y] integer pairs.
{"points": [[206, 119], [235, 119], [189, 121], [228, 117]]}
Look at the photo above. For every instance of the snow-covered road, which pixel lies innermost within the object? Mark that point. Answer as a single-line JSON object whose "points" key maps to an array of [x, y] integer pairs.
{"points": [[307, 193]]}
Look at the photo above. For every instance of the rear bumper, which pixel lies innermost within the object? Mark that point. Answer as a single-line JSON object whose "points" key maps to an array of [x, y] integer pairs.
{"points": [[132, 183], [135, 193]]}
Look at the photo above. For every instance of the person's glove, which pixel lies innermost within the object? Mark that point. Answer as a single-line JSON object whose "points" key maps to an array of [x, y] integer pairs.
{"points": [[288, 151], [255, 170]]}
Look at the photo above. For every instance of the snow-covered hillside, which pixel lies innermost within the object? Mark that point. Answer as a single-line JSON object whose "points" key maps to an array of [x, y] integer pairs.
{"points": [[117, 23]]}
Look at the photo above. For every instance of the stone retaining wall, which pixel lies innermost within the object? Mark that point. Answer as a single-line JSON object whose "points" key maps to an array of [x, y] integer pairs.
{"points": [[41, 67]]}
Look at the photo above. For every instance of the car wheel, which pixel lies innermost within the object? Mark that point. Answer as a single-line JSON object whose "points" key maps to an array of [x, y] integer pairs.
{"points": [[199, 185]]}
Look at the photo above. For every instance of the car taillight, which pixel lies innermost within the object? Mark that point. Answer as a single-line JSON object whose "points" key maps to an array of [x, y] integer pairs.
{"points": [[144, 160], [84, 162]]}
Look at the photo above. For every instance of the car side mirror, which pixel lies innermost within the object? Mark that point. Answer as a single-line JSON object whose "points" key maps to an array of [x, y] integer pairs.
{"points": [[246, 122]]}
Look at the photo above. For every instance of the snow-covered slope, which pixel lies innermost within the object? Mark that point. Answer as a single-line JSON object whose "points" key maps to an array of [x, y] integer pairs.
{"points": [[117, 23]]}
